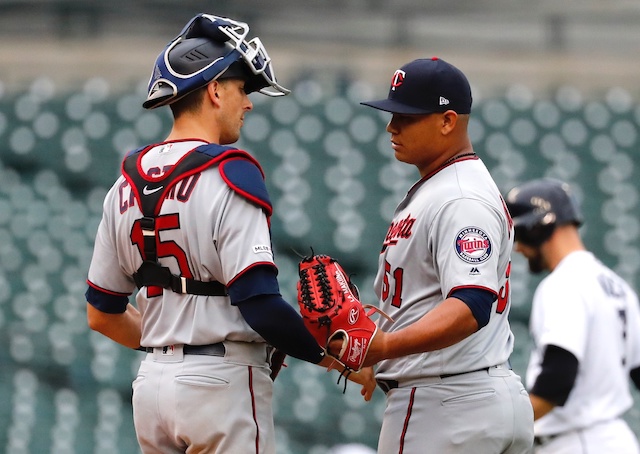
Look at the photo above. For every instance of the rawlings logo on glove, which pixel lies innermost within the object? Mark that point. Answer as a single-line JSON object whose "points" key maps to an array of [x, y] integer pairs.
{"points": [[331, 310]]}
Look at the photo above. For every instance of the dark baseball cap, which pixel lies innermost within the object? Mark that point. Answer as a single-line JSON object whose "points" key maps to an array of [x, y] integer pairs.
{"points": [[424, 86]]}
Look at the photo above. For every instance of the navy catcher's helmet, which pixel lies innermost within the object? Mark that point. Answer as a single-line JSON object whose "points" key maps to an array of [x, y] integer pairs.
{"points": [[539, 206], [208, 48]]}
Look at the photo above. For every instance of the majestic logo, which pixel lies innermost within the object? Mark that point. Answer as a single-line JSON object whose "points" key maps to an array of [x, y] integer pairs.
{"points": [[474, 271], [443, 101], [398, 79], [473, 245], [148, 191], [398, 230]]}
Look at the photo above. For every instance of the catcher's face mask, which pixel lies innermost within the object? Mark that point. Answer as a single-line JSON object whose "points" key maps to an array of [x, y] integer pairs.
{"points": [[203, 51]]}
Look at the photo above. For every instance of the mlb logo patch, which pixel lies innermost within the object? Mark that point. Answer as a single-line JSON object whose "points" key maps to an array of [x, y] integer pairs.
{"points": [[258, 248], [473, 245]]}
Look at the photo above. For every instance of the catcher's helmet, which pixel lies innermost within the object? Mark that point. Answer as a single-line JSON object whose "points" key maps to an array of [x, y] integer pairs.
{"points": [[539, 206], [208, 48]]}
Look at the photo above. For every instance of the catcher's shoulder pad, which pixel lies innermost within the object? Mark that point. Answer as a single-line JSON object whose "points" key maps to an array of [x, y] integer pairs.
{"points": [[246, 178], [242, 172]]}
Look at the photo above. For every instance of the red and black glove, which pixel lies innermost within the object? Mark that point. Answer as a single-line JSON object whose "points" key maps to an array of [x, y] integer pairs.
{"points": [[331, 310]]}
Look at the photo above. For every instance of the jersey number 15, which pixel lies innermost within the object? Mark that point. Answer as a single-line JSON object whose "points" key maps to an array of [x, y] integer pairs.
{"points": [[163, 248]]}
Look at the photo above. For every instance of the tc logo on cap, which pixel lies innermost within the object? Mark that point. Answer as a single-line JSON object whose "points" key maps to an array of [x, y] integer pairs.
{"points": [[398, 78]]}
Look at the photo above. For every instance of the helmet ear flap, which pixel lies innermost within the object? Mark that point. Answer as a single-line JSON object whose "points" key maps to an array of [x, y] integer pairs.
{"points": [[535, 235], [161, 91]]}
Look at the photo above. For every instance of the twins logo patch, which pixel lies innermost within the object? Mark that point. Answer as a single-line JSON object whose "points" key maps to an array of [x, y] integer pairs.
{"points": [[473, 245]]}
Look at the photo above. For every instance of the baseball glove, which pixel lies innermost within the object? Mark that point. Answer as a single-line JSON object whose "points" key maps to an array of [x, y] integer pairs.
{"points": [[331, 310]]}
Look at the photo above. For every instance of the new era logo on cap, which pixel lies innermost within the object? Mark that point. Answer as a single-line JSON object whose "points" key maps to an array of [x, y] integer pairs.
{"points": [[426, 86]]}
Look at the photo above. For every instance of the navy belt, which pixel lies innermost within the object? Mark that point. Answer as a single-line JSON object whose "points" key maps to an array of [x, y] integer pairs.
{"points": [[543, 439], [205, 350], [388, 385]]}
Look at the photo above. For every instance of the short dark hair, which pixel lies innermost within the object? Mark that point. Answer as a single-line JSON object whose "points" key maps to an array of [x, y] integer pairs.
{"points": [[188, 104]]}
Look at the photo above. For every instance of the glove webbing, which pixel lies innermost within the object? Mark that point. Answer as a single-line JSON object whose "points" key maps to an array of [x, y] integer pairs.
{"points": [[327, 301]]}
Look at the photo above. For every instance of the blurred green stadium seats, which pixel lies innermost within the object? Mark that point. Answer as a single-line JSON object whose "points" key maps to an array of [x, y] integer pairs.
{"points": [[334, 183]]}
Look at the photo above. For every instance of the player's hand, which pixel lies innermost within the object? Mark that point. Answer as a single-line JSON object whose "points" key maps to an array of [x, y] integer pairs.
{"points": [[375, 353], [365, 377]]}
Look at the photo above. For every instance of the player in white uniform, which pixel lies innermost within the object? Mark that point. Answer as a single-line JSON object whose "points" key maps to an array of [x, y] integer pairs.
{"points": [[188, 225], [444, 279], [585, 325]]}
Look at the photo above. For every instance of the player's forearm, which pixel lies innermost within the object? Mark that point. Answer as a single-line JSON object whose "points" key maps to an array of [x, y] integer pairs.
{"points": [[540, 406], [446, 325], [125, 328]]}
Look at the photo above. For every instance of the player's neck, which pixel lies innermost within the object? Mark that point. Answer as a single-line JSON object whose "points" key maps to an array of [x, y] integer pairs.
{"points": [[190, 127], [448, 160], [564, 241]]}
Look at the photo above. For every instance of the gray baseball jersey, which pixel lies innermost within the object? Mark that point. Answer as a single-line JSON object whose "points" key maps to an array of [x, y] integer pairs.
{"points": [[451, 231], [586, 309], [231, 235]]}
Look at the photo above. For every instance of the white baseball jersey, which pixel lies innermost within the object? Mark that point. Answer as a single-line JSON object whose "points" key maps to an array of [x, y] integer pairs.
{"points": [[208, 231], [451, 231], [586, 309]]}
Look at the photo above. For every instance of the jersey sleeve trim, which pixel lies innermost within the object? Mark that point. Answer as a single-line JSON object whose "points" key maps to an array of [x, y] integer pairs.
{"points": [[104, 290], [253, 265], [478, 287], [478, 300], [256, 281], [108, 302]]}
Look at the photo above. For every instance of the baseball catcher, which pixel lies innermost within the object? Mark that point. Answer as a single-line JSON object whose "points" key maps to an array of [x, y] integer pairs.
{"points": [[331, 310]]}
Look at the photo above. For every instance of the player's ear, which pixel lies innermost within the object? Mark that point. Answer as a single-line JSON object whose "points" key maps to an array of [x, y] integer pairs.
{"points": [[213, 88], [449, 121]]}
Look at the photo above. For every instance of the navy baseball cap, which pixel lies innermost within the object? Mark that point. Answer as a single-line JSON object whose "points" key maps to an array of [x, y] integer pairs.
{"points": [[424, 86]]}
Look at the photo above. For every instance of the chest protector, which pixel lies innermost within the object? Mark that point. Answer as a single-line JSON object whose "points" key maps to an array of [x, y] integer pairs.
{"points": [[239, 170]]}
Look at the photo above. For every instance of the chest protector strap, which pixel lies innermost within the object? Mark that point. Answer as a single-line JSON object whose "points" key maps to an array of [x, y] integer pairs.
{"points": [[150, 193]]}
